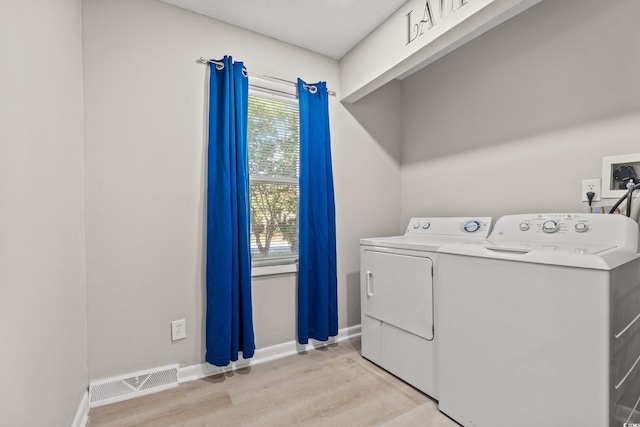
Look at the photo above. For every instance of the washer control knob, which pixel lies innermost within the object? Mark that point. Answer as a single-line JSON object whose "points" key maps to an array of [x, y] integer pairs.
{"points": [[550, 226], [581, 227], [471, 226], [426, 225], [524, 226], [416, 225]]}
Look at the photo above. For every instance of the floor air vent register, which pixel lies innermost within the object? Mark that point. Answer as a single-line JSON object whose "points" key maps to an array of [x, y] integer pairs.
{"points": [[130, 386]]}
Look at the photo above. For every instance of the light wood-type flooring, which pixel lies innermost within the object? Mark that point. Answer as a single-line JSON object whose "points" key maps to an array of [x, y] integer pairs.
{"points": [[331, 386]]}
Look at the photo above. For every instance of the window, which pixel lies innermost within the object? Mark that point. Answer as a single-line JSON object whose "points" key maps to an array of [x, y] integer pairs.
{"points": [[273, 145]]}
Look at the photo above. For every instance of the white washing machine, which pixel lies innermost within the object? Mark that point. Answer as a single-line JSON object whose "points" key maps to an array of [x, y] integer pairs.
{"points": [[539, 325], [397, 296]]}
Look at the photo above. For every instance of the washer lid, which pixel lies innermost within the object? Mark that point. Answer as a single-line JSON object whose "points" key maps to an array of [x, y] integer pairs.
{"points": [[601, 257], [524, 248]]}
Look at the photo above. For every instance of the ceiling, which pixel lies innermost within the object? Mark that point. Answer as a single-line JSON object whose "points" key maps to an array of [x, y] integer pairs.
{"points": [[328, 27]]}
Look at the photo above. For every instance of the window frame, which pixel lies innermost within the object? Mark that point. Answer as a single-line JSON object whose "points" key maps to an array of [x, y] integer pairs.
{"points": [[286, 93]]}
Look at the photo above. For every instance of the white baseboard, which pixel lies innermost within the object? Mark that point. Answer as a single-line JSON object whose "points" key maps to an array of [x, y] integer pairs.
{"points": [[262, 355], [82, 415], [202, 370]]}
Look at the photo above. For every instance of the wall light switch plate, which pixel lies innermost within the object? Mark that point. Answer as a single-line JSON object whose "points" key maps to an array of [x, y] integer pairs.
{"points": [[594, 185]]}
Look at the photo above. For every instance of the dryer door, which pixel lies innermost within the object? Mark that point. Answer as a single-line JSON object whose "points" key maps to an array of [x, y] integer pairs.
{"points": [[399, 291]]}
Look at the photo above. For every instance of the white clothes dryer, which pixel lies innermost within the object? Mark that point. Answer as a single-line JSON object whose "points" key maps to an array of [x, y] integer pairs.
{"points": [[540, 324], [398, 292]]}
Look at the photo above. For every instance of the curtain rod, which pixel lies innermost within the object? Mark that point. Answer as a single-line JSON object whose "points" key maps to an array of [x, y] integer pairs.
{"points": [[220, 64]]}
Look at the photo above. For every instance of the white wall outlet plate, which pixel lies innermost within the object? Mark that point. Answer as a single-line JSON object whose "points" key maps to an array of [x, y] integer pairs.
{"points": [[594, 185], [178, 330]]}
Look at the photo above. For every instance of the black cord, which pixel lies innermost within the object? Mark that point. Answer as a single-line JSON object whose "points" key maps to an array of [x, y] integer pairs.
{"points": [[590, 196], [614, 207], [630, 198], [628, 195]]}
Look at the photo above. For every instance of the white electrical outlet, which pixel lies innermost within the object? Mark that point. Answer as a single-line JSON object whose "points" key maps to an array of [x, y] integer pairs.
{"points": [[178, 330], [594, 185]]}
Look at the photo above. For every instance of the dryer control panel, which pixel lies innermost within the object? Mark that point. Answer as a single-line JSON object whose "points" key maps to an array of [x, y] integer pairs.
{"points": [[460, 226]]}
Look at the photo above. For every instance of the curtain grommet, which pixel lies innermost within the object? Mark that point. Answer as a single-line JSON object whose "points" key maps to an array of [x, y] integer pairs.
{"points": [[219, 66]]}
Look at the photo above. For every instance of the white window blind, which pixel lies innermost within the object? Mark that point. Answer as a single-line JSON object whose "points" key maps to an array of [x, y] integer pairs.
{"points": [[273, 145]]}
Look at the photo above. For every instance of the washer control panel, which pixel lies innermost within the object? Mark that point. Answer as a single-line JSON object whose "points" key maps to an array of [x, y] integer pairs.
{"points": [[565, 228], [581, 227], [550, 226], [553, 223], [478, 226], [524, 226]]}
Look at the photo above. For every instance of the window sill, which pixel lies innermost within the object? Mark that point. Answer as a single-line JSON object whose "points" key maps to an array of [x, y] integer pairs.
{"points": [[271, 270]]}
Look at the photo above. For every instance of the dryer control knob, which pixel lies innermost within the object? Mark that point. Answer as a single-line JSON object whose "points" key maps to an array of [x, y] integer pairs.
{"points": [[471, 226], [550, 226], [581, 227], [416, 225], [524, 226], [426, 225]]}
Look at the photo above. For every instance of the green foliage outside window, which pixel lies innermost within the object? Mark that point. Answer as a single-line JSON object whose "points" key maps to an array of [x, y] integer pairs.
{"points": [[273, 143]]}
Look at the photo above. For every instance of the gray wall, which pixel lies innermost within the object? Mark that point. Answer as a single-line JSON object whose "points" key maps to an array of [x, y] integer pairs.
{"points": [[43, 361], [514, 120], [145, 141], [379, 113]]}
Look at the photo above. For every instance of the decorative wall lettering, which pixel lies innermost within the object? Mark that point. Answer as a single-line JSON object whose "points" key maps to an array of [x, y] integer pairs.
{"points": [[446, 10], [416, 30], [447, 7]]}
